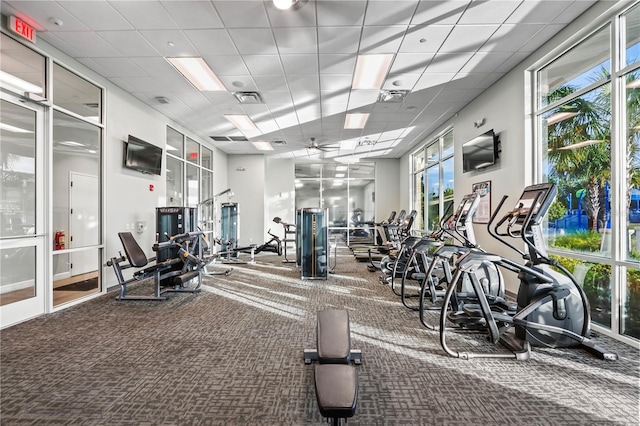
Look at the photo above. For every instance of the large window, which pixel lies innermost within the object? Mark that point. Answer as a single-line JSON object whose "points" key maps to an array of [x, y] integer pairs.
{"points": [[347, 191], [588, 115], [432, 181]]}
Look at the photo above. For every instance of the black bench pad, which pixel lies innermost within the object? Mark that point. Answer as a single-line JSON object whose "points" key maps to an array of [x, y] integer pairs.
{"points": [[336, 390], [333, 334]]}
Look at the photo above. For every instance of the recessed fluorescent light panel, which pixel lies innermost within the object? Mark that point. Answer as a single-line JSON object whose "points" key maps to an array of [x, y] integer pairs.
{"points": [[356, 121], [242, 122], [14, 129], [371, 70], [198, 73], [18, 84], [263, 146]]}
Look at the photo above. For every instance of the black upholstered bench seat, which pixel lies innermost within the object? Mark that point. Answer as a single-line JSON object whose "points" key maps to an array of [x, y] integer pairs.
{"points": [[336, 390], [333, 334]]}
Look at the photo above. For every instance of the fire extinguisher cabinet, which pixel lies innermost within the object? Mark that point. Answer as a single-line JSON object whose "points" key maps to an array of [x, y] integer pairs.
{"points": [[314, 237]]}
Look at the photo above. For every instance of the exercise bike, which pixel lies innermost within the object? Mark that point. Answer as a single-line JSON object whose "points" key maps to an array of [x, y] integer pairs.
{"points": [[552, 309]]}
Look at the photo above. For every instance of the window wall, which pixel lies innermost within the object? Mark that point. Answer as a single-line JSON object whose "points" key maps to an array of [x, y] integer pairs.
{"points": [[432, 181], [346, 191], [588, 115], [189, 176]]}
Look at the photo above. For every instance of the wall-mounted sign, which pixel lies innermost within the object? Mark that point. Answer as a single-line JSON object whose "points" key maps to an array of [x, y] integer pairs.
{"points": [[23, 29]]}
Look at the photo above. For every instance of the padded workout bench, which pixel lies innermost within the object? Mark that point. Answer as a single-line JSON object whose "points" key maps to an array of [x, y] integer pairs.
{"points": [[336, 381]]}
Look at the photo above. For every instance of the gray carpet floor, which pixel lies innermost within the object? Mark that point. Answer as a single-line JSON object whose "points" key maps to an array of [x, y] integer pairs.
{"points": [[232, 355]]}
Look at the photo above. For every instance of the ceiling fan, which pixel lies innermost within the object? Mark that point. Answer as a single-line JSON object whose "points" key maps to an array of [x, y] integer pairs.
{"points": [[314, 145]]}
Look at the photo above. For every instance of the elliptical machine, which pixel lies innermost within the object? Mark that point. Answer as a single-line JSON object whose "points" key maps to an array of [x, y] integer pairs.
{"points": [[552, 309]]}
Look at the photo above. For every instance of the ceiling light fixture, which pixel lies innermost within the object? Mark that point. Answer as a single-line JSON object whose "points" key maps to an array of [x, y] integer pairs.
{"points": [[198, 73], [71, 143], [242, 122], [263, 146], [356, 120], [371, 70], [633, 84], [581, 144], [559, 116], [284, 4]]}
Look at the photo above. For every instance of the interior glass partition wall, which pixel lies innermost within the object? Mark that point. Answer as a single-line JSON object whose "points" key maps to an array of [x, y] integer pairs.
{"points": [[588, 118], [346, 191]]}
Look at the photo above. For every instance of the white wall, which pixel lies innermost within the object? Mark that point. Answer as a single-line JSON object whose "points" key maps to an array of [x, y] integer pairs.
{"points": [[505, 107], [388, 188], [279, 194]]}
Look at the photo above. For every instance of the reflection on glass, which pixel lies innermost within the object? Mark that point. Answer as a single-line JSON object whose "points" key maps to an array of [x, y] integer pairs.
{"points": [[76, 181], [335, 200], [595, 280], [17, 274], [433, 153], [418, 160], [193, 151], [447, 182], [207, 158], [433, 197], [307, 193], [308, 170], [447, 145], [76, 94], [631, 310], [174, 181], [79, 281], [579, 161], [580, 67], [175, 142], [23, 65], [193, 185], [362, 170], [632, 24], [633, 167], [418, 199], [18, 166]]}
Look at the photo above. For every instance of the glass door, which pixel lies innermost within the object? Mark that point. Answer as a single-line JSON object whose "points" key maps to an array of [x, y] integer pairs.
{"points": [[22, 239]]}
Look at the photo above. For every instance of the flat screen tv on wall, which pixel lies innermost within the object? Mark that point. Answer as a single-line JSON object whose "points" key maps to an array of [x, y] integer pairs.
{"points": [[480, 152], [142, 156]]}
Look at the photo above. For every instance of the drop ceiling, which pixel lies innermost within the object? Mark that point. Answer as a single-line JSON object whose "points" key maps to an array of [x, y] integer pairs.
{"points": [[301, 62]]}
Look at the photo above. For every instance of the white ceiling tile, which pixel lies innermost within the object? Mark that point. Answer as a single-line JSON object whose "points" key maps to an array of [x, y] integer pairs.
{"points": [[129, 43], [362, 98], [340, 13], [89, 44], [410, 63], [432, 79], [300, 64], [390, 12], [334, 98], [381, 39], [512, 38], [576, 8], [145, 15], [401, 81], [439, 12], [270, 82], [254, 41], [296, 40], [448, 62], [304, 15], [428, 39], [490, 80], [468, 38], [242, 14], [338, 39], [158, 66], [160, 39], [89, 62], [227, 64], [303, 82], [337, 64], [512, 61], [120, 67], [485, 62], [193, 14], [268, 126], [99, 16], [144, 85], [39, 13], [57, 42], [287, 120], [276, 97], [468, 80], [488, 12], [238, 83], [337, 82], [263, 64], [542, 37], [211, 42], [535, 12]]}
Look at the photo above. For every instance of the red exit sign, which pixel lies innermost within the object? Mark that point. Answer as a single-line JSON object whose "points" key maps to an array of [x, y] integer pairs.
{"points": [[23, 29]]}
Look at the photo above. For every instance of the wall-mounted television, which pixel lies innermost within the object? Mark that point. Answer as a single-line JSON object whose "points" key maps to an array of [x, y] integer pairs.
{"points": [[480, 152], [142, 156]]}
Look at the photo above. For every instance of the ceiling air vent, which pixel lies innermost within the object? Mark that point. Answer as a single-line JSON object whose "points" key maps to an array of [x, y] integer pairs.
{"points": [[220, 138], [392, 95], [278, 143], [92, 105], [238, 139], [161, 100], [229, 138], [248, 97]]}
